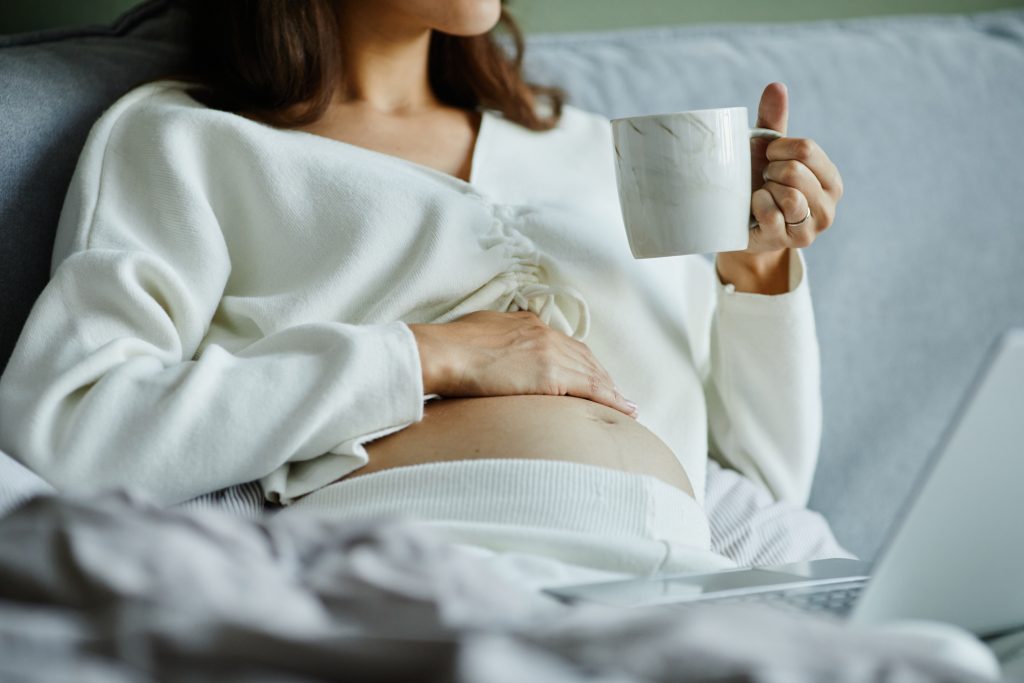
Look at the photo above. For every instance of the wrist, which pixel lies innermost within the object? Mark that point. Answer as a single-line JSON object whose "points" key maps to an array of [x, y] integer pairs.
{"points": [[756, 273], [434, 364]]}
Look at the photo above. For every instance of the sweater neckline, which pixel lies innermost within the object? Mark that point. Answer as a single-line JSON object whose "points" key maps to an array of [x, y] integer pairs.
{"points": [[470, 186]]}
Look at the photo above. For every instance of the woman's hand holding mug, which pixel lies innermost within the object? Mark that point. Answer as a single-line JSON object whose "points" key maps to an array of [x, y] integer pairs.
{"points": [[796, 188], [689, 183]]}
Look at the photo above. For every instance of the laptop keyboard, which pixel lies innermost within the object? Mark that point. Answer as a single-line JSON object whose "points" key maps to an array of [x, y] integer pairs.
{"points": [[837, 600]]}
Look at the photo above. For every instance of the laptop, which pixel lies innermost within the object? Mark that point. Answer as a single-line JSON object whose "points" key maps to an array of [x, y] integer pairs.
{"points": [[956, 555]]}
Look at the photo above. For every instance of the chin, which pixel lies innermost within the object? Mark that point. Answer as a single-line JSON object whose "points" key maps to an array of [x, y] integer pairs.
{"points": [[457, 17], [478, 17]]}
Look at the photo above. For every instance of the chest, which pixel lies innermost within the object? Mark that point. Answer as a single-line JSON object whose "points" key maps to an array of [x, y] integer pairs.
{"points": [[351, 234], [443, 139]]}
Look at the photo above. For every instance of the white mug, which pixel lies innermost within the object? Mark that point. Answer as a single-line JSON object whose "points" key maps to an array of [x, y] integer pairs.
{"points": [[684, 180]]}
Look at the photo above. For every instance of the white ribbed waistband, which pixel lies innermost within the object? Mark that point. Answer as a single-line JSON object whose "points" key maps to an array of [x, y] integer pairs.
{"points": [[584, 514]]}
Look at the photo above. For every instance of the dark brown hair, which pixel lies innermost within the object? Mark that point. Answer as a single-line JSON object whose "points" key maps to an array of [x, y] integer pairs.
{"points": [[280, 61]]}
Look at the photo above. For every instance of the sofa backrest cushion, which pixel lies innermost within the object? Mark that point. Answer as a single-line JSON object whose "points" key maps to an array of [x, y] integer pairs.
{"points": [[54, 86]]}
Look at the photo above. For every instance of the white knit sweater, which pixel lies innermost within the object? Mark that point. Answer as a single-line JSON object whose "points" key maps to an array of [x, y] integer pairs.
{"points": [[229, 302]]}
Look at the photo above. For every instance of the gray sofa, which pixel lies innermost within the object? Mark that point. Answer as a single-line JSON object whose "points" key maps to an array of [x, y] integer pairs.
{"points": [[922, 270]]}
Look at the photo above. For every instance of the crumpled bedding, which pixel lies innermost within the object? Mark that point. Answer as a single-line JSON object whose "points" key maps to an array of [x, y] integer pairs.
{"points": [[116, 589]]}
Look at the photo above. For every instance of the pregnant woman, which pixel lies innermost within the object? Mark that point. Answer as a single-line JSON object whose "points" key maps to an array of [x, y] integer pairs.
{"points": [[353, 256]]}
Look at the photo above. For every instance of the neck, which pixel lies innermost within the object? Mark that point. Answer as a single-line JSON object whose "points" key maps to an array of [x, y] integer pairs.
{"points": [[386, 59]]}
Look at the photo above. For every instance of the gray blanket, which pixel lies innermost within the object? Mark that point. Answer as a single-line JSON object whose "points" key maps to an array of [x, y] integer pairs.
{"points": [[115, 589]]}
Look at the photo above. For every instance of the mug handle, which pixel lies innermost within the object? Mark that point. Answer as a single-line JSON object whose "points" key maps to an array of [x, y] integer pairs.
{"points": [[762, 133]]}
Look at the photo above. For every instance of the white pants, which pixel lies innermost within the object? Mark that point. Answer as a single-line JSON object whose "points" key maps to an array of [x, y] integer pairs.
{"points": [[754, 529], [545, 521], [505, 504]]}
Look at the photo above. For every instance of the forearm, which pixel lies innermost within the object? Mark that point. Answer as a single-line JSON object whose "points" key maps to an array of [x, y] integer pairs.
{"points": [[176, 431], [764, 394]]}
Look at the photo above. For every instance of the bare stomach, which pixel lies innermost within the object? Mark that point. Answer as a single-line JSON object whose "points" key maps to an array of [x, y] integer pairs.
{"points": [[542, 427]]}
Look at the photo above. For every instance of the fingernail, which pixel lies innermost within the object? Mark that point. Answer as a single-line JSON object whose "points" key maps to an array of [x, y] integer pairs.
{"points": [[632, 407]]}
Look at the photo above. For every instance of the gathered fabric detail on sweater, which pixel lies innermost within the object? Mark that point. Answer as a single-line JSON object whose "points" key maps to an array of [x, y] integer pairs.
{"points": [[524, 278], [541, 299]]}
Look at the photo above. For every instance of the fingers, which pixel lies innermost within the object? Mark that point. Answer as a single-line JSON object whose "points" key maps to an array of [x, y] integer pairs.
{"points": [[773, 109], [795, 188], [800, 164], [586, 356], [589, 379], [593, 387], [607, 388], [772, 113], [794, 174], [771, 224], [791, 202], [811, 155]]}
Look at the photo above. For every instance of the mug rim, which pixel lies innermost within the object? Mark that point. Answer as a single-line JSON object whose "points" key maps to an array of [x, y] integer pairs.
{"points": [[673, 113]]}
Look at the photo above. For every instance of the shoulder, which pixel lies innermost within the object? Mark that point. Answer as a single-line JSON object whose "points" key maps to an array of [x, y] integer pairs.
{"points": [[154, 106], [159, 135], [163, 116]]}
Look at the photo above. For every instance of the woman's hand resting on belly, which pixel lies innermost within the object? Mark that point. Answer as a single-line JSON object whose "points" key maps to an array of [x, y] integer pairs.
{"points": [[515, 388], [501, 354]]}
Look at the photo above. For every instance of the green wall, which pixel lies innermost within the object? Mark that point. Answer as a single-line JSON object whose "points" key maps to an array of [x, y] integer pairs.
{"points": [[565, 15], [557, 15], [29, 15]]}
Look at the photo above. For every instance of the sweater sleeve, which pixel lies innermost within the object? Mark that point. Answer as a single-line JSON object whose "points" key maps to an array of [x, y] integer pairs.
{"points": [[107, 386], [764, 388]]}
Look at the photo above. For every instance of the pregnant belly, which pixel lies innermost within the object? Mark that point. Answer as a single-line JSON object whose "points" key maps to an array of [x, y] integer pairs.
{"points": [[543, 427]]}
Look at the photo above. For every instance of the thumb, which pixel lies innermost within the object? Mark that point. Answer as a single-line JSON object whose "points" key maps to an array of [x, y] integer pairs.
{"points": [[773, 111]]}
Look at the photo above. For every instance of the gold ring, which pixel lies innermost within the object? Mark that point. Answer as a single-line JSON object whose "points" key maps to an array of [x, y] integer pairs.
{"points": [[802, 220]]}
